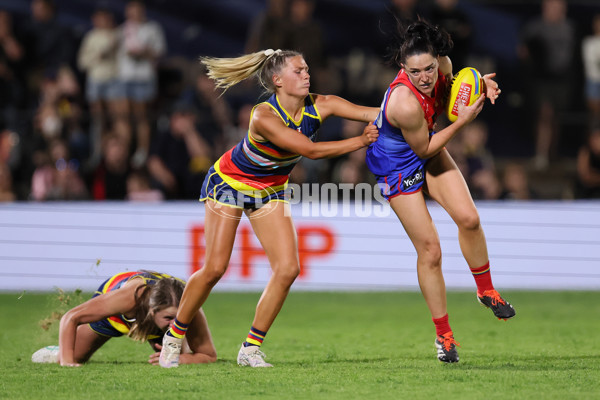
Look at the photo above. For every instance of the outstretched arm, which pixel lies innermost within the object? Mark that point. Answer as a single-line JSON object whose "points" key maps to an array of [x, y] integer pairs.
{"points": [[329, 105], [270, 127]]}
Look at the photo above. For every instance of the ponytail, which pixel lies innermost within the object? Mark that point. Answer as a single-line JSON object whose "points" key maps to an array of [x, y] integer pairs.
{"points": [[421, 37], [227, 72]]}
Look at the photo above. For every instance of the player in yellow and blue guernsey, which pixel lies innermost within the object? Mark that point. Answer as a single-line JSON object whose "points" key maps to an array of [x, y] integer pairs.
{"points": [[256, 171], [139, 304], [410, 158], [252, 177]]}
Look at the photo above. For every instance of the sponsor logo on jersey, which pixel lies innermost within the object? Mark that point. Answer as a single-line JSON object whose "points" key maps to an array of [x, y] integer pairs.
{"points": [[411, 181]]}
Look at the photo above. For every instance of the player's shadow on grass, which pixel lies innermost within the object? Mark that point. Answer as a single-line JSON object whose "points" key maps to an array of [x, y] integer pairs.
{"points": [[538, 362]]}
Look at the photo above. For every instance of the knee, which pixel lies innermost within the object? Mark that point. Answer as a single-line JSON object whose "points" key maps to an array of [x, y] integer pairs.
{"points": [[431, 254], [469, 221], [211, 272], [286, 273]]}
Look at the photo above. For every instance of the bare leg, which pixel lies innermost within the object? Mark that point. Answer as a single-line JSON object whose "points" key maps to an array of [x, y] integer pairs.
{"points": [[220, 225], [86, 343], [119, 112], [446, 185], [545, 134], [275, 231], [142, 132], [412, 212]]}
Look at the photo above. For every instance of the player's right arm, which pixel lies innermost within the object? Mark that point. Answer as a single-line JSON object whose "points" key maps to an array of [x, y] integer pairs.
{"points": [[116, 302]]}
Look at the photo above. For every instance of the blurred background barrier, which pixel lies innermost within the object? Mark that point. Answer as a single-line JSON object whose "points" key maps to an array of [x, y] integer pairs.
{"points": [[532, 245]]}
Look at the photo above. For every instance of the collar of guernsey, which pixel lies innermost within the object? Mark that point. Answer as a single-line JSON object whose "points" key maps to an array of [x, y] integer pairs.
{"points": [[432, 106], [254, 165], [120, 322]]}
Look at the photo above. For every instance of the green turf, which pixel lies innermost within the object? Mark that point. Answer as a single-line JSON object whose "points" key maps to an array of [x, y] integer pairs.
{"points": [[332, 346]]}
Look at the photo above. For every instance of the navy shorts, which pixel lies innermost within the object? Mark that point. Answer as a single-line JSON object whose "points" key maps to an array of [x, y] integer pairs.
{"points": [[217, 189]]}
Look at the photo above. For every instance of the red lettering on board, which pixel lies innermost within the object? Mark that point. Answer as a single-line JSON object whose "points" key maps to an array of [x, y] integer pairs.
{"points": [[314, 241]]}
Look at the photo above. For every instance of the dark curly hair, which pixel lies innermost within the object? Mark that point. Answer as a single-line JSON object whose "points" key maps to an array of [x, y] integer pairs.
{"points": [[420, 37]]}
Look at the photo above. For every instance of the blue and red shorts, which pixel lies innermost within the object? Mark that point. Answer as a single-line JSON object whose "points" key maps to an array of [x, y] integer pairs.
{"points": [[401, 182]]}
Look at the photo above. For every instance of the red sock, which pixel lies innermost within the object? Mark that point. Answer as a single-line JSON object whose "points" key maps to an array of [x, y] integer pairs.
{"points": [[483, 278], [441, 325]]}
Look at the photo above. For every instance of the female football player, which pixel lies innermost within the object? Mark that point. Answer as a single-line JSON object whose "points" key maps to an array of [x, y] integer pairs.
{"points": [[139, 304], [251, 179], [409, 158]]}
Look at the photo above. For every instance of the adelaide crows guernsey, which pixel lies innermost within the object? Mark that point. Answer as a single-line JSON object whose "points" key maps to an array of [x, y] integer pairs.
{"points": [[254, 165], [118, 325]]}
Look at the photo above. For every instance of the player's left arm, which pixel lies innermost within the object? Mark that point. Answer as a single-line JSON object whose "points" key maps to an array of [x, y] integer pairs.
{"points": [[329, 105], [200, 342]]}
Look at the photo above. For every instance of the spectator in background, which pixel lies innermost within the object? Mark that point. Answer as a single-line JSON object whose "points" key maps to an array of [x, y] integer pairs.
{"points": [[386, 25], [97, 58], [180, 157], [306, 36], [474, 148], [515, 183], [11, 56], [548, 49], [268, 30], [7, 146], [591, 61], [139, 189], [485, 185], [449, 16], [109, 179], [6, 191], [213, 113], [588, 166], [58, 176], [49, 45], [142, 43], [59, 113], [238, 131]]}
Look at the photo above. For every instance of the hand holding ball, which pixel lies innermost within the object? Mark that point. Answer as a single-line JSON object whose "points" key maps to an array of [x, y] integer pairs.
{"points": [[466, 87]]}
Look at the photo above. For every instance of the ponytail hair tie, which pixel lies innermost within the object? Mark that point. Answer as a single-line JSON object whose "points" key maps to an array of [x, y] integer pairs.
{"points": [[270, 52]]}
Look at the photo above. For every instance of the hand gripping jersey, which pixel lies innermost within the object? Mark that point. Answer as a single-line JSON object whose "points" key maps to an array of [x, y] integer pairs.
{"points": [[258, 171], [395, 165], [118, 325]]}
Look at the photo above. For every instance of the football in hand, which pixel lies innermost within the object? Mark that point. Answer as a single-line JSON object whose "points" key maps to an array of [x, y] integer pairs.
{"points": [[466, 87]]}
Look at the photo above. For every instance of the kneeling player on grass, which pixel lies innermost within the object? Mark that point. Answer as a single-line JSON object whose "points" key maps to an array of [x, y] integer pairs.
{"points": [[140, 304]]}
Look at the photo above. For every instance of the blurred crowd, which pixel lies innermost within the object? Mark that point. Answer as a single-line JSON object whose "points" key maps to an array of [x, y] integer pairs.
{"points": [[109, 115]]}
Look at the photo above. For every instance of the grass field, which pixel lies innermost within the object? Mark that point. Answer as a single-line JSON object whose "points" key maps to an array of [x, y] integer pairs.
{"points": [[332, 346]]}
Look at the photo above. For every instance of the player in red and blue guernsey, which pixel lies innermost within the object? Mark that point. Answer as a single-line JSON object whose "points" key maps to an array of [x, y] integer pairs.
{"points": [[410, 158], [139, 304], [252, 177]]}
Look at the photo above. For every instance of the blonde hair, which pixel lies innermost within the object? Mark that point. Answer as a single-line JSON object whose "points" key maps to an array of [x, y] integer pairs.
{"points": [[227, 72]]}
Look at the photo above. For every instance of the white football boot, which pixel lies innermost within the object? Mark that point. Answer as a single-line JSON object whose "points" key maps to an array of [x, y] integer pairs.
{"points": [[252, 356], [169, 354], [46, 355]]}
